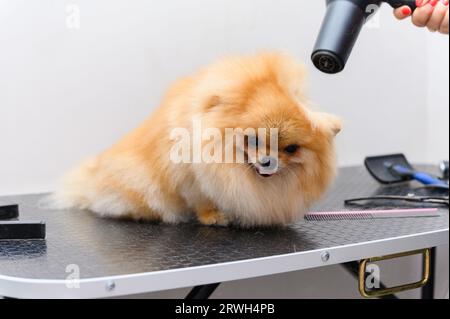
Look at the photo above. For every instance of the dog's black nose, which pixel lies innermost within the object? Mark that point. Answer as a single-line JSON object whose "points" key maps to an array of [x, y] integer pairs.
{"points": [[268, 161]]}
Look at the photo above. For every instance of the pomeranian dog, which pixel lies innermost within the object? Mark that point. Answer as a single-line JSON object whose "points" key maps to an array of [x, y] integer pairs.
{"points": [[143, 176]]}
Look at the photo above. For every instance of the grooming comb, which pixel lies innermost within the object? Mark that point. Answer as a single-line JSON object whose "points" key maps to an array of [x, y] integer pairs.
{"points": [[372, 214]]}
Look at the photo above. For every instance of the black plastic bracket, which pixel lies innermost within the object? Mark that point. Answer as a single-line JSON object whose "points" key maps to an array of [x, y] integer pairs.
{"points": [[9, 212], [12, 228]]}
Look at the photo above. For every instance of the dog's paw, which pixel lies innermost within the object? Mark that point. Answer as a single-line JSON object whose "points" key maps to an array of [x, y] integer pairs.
{"points": [[213, 218]]}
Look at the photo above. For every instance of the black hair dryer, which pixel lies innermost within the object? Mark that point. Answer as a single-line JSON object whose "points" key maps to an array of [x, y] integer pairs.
{"points": [[340, 30]]}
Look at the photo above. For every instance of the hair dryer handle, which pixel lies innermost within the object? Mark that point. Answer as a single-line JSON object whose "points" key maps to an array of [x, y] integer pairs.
{"points": [[400, 3]]}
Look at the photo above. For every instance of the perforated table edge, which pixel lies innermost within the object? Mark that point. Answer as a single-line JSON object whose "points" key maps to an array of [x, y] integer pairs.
{"points": [[181, 278]]}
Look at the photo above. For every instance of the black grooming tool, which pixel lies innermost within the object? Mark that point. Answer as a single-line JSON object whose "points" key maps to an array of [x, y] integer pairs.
{"points": [[340, 30], [22, 230], [443, 166], [9, 212], [379, 168], [11, 228], [391, 169], [436, 200]]}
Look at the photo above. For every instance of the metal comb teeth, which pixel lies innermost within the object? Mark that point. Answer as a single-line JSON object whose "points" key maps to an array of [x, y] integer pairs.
{"points": [[373, 214], [334, 217]]}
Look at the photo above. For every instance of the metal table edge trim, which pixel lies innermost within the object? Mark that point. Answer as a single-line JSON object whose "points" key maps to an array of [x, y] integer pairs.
{"points": [[236, 270]]}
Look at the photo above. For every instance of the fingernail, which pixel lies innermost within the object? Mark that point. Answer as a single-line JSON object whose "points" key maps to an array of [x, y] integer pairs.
{"points": [[444, 2], [433, 3], [406, 11], [419, 3]]}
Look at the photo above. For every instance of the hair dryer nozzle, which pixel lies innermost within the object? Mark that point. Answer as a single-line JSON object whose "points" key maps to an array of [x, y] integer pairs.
{"points": [[327, 62], [340, 29]]}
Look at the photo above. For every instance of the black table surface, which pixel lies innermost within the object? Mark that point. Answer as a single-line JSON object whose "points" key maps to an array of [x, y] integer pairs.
{"points": [[103, 247]]}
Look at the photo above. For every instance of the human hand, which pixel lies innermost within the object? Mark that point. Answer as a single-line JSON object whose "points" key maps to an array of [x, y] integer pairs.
{"points": [[432, 14]]}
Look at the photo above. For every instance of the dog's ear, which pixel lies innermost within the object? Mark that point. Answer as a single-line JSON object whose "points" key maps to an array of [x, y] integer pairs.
{"points": [[328, 122], [335, 124]]}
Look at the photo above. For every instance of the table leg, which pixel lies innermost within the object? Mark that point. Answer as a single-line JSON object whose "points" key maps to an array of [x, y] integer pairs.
{"points": [[202, 292], [428, 290]]}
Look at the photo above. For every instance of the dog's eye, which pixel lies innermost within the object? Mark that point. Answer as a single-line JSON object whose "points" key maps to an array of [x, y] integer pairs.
{"points": [[253, 141], [291, 149]]}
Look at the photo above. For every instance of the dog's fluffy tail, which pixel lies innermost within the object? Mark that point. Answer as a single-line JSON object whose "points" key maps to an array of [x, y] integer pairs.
{"points": [[75, 189]]}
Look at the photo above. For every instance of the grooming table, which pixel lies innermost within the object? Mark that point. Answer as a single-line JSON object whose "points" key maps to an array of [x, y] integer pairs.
{"points": [[116, 258]]}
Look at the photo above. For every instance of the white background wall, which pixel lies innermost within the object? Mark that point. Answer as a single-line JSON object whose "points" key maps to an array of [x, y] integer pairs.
{"points": [[68, 93]]}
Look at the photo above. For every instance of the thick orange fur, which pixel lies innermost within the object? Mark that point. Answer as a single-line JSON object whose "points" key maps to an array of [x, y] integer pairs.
{"points": [[136, 178]]}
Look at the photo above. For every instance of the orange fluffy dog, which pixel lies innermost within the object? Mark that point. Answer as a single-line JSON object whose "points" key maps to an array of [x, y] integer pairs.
{"points": [[137, 178]]}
